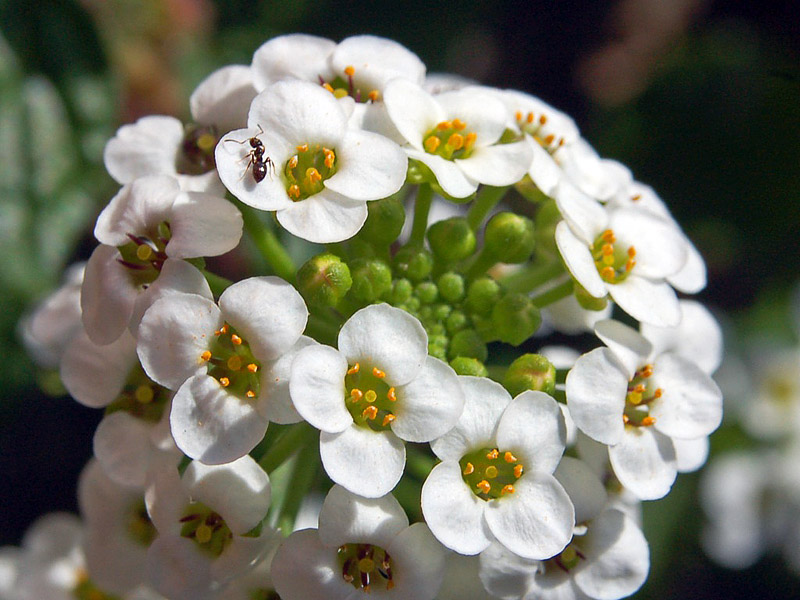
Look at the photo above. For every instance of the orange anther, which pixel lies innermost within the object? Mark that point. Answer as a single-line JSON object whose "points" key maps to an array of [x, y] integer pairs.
{"points": [[469, 469], [470, 140], [236, 340], [608, 273], [292, 163], [647, 370], [356, 395], [458, 124], [607, 249], [658, 393], [518, 115], [631, 251], [484, 486], [374, 95], [518, 471], [493, 454], [549, 139], [378, 373], [608, 236], [330, 157], [432, 144], [349, 70], [648, 420], [542, 119], [636, 198], [391, 395], [530, 117], [630, 264], [388, 419], [250, 394], [206, 356], [444, 125], [370, 412], [354, 369], [328, 87], [639, 388], [625, 419], [294, 191], [507, 489], [456, 141], [252, 367], [313, 175], [509, 458], [302, 148], [224, 381]]}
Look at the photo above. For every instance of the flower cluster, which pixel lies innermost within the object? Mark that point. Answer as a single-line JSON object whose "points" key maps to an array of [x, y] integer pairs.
{"points": [[362, 380]]}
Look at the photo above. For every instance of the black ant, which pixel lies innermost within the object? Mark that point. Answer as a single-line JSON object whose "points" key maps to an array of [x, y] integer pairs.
{"points": [[261, 164]]}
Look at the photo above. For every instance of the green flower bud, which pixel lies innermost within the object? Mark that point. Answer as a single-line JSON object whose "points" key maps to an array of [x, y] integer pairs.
{"points": [[530, 372], [464, 365], [451, 287], [468, 342], [456, 321], [441, 312], [426, 313], [384, 223], [324, 280], [439, 352], [372, 278], [586, 300], [509, 238], [402, 289], [451, 239], [412, 305], [438, 329], [515, 318], [427, 292], [414, 263], [481, 295]]}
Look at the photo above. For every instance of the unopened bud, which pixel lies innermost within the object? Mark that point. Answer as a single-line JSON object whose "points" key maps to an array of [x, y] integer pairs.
{"points": [[324, 280], [384, 223], [372, 278], [464, 365], [414, 263], [530, 372], [482, 295], [509, 238], [515, 318], [469, 343], [452, 239], [451, 287]]}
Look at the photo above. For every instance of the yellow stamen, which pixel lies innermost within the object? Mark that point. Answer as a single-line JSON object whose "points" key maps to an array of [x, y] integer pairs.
{"points": [[313, 175], [507, 489], [648, 420], [636, 198], [631, 251], [224, 381], [302, 148], [221, 330], [205, 356], [470, 140], [459, 125], [391, 395], [354, 369], [484, 486], [292, 162], [374, 95], [250, 394], [493, 454], [144, 252], [469, 469], [378, 373], [328, 87], [646, 371], [630, 264], [518, 471], [607, 249], [234, 362], [330, 157], [252, 367], [370, 396], [370, 412], [356, 395], [518, 115], [388, 419], [294, 191], [349, 70], [608, 236], [144, 394], [432, 144], [549, 139], [456, 141], [491, 472], [530, 117], [444, 125], [509, 458], [608, 273], [625, 419], [640, 388], [542, 119], [658, 393], [203, 533], [236, 340]]}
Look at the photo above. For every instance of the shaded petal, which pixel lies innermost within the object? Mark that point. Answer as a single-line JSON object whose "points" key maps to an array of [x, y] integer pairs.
{"points": [[646, 300], [147, 147], [585, 215], [579, 261], [690, 455], [500, 164], [107, 296], [296, 55], [223, 98], [317, 388], [275, 402], [535, 521], [583, 486], [305, 568], [177, 569], [324, 218], [596, 389], [212, 425], [644, 462], [483, 113], [543, 170], [420, 564], [346, 517], [533, 427], [122, 446], [660, 245], [368, 463], [388, 338], [136, 209], [631, 349], [376, 60], [692, 277], [452, 511], [412, 110], [203, 225], [448, 174], [505, 574]]}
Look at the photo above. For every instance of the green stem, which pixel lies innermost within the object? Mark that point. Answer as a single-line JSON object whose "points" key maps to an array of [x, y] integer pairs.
{"points": [[553, 295], [483, 262], [322, 329], [304, 472], [285, 446], [217, 283], [487, 199], [418, 462], [532, 276], [268, 244], [422, 206]]}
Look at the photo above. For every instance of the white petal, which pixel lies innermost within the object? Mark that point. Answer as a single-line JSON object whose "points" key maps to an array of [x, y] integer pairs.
{"points": [[507, 575], [532, 427], [691, 403], [147, 147], [500, 164], [448, 174], [387, 338], [583, 486], [238, 491], [173, 333], [484, 402], [317, 388], [618, 558], [646, 300], [483, 113], [412, 110], [535, 521], [212, 425], [579, 261], [692, 277], [324, 218], [203, 225], [346, 517], [452, 511], [297, 55], [177, 569], [660, 245], [543, 170], [644, 462], [376, 61], [586, 217], [596, 389], [690, 454], [223, 98], [419, 564], [428, 406], [631, 349], [121, 444], [365, 462], [461, 579], [275, 402], [107, 296], [304, 568], [369, 166], [95, 375], [268, 312]]}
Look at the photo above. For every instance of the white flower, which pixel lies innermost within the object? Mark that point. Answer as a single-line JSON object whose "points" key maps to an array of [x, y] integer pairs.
{"points": [[457, 136], [495, 480], [461, 580], [362, 545], [626, 253], [202, 518], [636, 402], [568, 316], [377, 391], [223, 98], [147, 222], [772, 409], [598, 178], [319, 174]]}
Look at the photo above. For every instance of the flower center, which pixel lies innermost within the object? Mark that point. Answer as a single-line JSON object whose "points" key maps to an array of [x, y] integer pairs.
{"points": [[231, 362], [305, 172], [534, 126], [145, 254], [489, 473], [345, 85], [206, 527], [641, 392], [369, 398], [140, 527], [450, 140], [141, 397], [85, 589], [366, 567], [613, 261], [569, 558], [196, 155]]}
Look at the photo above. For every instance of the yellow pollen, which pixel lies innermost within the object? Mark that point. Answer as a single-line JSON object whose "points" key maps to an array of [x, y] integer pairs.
{"points": [[459, 125], [252, 367], [356, 395], [634, 398], [507, 489], [608, 249], [509, 458], [203, 534], [144, 394], [236, 340], [330, 157], [391, 395], [250, 394], [490, 472], [370, 412], [349, 70], [444, 125], [640, 388], [469, 469], [354, 369], [549, 139], [302, 148], [206, 141], [313, 175], [484, 486], [542, 119], [205, 356], [530, 117], [636, 198], [378, 373], [608, 236], [648, 420], [224, 381], [658, 393], [631, 251], [328, 87], [432, 144], [625, 419], [518, 471], [374, 95], [456, 141], [471, 137], [234, 362], [370, 396], [388, 419], [294, 191], [608, 273], [630, 264], [493, 454], [292, 163], [647, 371], [518, 115], [366, 565], [144, 252]]}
